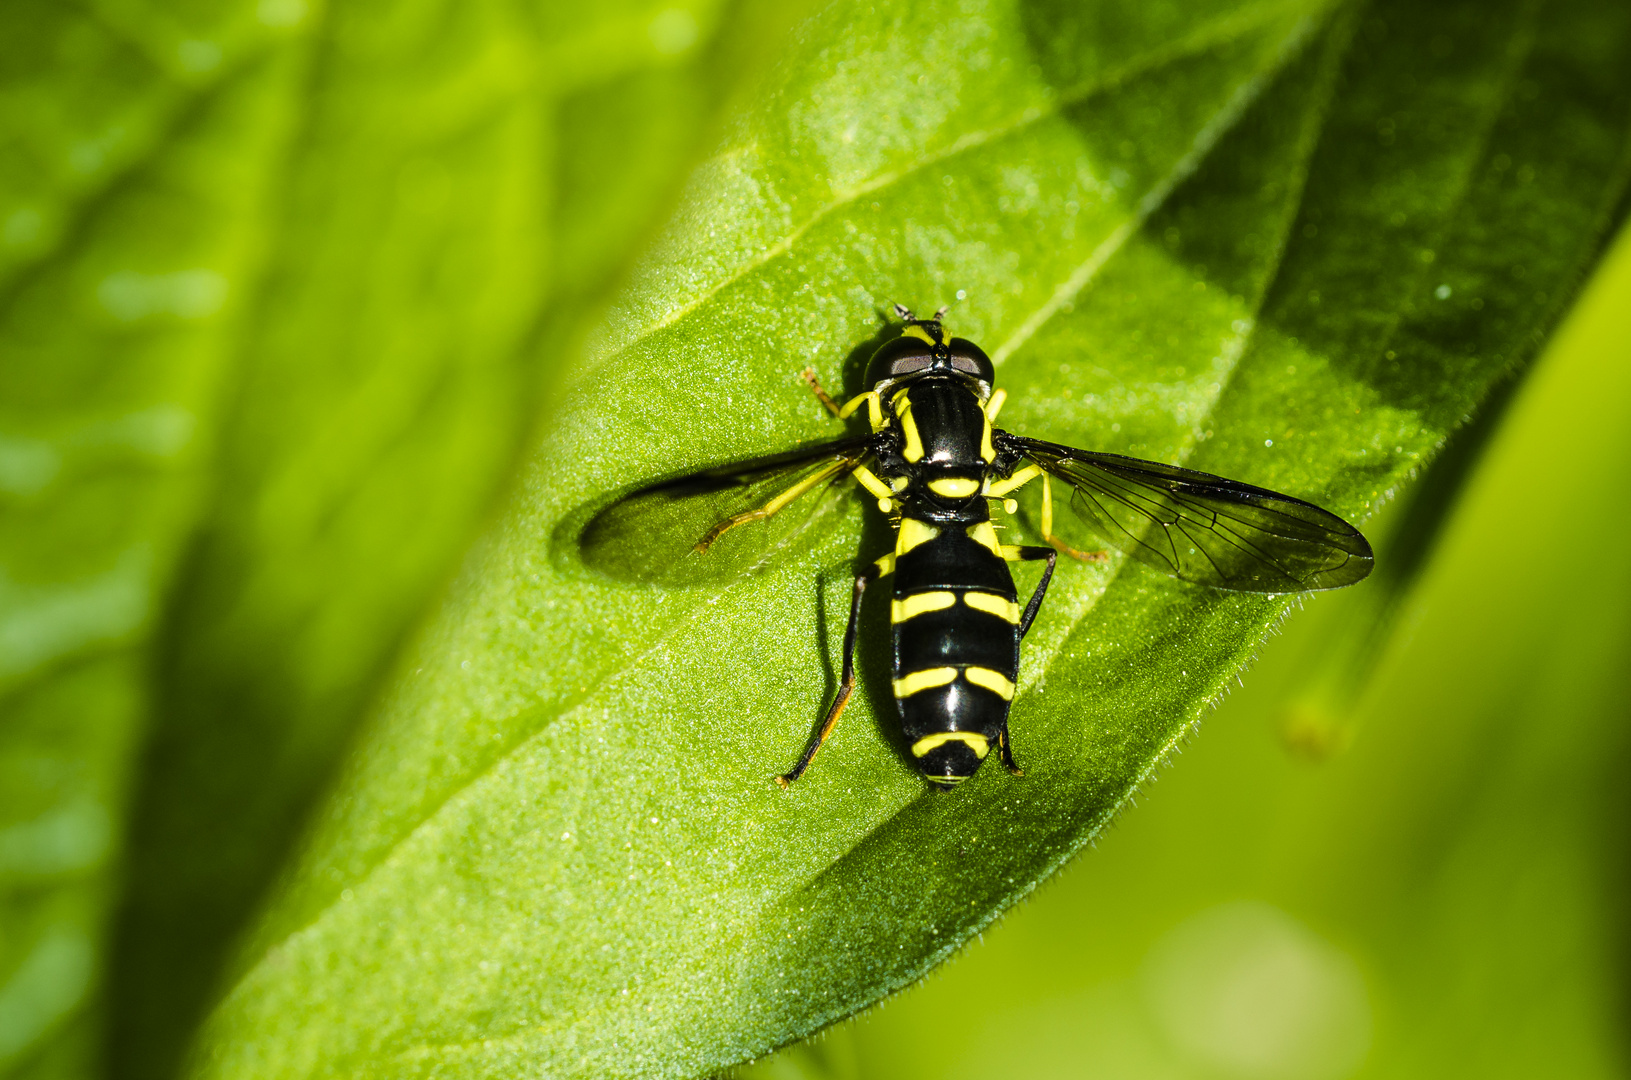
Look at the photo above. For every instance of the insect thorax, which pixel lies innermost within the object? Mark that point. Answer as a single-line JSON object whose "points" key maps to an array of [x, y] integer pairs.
{"points": [[942, 445]]}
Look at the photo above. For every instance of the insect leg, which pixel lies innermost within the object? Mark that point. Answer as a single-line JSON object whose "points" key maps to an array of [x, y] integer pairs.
{"points": [[1014, 482], [809, 377], [1005, 748], [994, 405], [882, 491], [1019, 480], [771, 508], [846, 685], [1028, 553], [1047, 529], [874, 410], [844, 412], [1031, 554]]}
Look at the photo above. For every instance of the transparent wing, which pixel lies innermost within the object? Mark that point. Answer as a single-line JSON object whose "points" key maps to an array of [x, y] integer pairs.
{"points": [[718, 523], [1204, 528]]}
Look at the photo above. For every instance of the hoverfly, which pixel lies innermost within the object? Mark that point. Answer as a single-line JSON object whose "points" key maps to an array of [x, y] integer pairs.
{"points": [[934, 460]]}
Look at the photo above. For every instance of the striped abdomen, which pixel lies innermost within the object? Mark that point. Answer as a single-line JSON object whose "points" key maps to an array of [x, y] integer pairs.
{"points": [[956, 631]]}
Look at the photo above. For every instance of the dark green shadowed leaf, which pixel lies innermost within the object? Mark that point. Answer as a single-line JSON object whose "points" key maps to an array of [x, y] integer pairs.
{"points": [[283, 288], [558, 849]]}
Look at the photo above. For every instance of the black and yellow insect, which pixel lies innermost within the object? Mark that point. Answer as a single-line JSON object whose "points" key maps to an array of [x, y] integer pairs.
{"points": [[935, 461]]}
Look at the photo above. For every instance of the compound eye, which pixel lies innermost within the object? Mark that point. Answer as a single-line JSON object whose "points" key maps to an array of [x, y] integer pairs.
{"points": [[899, 358], [968, 358]]}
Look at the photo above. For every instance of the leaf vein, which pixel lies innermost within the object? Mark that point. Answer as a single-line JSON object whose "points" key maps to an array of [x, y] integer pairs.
{"points": [[1212, 35]]}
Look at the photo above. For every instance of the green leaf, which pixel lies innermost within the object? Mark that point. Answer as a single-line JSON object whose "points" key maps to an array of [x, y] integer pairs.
{"points": [[1457, 864], [282, 291], [1283, 242], [124, 255]]}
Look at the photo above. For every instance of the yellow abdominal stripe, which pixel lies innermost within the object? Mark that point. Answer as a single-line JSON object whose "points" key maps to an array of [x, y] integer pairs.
{"points": [[992, 604], [976, 742], [985, 535], [994, 681], [940, 599], [914, 532], [919, 604], [929, 678]]}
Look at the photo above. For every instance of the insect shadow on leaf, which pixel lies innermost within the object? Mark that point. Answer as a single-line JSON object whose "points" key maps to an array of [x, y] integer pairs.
{"points": [[653, 533], [943, 474]]}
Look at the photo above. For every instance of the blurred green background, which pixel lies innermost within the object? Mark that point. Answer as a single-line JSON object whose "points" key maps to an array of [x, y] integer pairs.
{"points": [[1437, 884]]}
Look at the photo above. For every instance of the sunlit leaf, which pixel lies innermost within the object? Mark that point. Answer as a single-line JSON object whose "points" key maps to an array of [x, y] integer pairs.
{"points": [[1282, 242]]}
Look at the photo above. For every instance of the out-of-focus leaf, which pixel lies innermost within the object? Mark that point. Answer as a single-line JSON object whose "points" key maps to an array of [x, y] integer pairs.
{"points": [[282, 289], [1318, 718], [127, 253], [1287, 243]]}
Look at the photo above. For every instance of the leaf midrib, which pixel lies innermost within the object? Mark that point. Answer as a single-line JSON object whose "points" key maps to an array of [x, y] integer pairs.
{"points": [[1220, 31], [1518, 57], [1307, 145], [1224, 118], [1204, 141]]}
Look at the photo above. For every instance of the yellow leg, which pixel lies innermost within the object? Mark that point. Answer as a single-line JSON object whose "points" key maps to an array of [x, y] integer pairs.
{"points": [[1047, 529], [1030, 472], [874, 411], [844, 412], [994, 405], [1014, 482], [878, 488], [769, 508]]}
